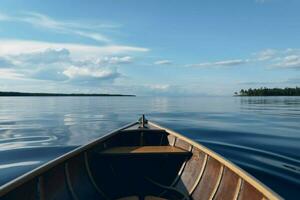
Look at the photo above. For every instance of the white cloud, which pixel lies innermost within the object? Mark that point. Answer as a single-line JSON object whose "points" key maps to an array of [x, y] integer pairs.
{"points": [[64, 61], [289, 81], [78, 51], [59, 65], [10, 74], [286, 58], [159, 87], [79, 72], [38, 20], [115, 60], [220, 63], [172, 89], [94, 36], [50, 73], [163, 62], [47, 56], [290, 61], [230, 62], [266, 54]]}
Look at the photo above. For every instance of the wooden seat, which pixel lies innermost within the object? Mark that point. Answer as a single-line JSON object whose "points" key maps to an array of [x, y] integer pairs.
{"points": [[145, 150], [160, 131], [146, 198]]}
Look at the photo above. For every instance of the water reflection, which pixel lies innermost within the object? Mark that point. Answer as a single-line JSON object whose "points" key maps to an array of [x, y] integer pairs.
{"points": [[19, 164], [270, 100]]}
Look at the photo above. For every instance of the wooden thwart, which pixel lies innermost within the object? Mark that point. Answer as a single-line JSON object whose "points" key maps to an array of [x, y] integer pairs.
{"points": [[145, 150]]}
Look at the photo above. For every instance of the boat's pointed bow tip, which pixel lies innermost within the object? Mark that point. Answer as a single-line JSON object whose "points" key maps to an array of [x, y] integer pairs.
{"points": [[142, 121]]}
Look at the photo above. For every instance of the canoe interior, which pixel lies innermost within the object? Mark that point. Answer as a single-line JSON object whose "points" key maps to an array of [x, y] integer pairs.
{"points": [[138, 163]]}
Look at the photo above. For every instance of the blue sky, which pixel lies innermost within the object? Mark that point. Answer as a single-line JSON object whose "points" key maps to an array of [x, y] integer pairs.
{"points": [[149, 47]]}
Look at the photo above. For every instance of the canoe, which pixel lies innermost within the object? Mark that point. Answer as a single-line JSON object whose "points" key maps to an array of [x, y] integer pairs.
{"points": [[141, 160]]}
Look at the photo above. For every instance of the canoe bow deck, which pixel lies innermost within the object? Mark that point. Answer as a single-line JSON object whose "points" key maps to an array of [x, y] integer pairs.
{"points": [[139, 161]]}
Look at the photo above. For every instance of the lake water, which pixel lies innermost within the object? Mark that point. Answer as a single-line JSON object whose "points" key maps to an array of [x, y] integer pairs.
{"points": [[260, 134]]}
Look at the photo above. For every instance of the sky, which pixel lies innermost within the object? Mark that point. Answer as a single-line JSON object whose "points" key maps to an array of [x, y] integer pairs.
{"points": [[157, 47]]}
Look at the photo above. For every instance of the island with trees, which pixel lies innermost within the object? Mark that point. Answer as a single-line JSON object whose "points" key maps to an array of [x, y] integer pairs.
{"points": [[59, 94], [269, 92]]}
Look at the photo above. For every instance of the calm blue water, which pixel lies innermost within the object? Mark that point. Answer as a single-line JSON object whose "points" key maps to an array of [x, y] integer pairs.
{"points": [[260, 134]]}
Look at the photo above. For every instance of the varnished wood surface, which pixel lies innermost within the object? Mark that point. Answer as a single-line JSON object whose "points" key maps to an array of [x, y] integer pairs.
{"points": [[248, 192], [146, 198], [182, 144], [205, 188], [255, 184], [128, 150], [191, 172], [228, 186]]}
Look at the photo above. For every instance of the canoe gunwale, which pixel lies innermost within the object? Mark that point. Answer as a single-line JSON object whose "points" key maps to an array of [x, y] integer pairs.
{"points": [[265, 190], [37, 173], [4, 189]]}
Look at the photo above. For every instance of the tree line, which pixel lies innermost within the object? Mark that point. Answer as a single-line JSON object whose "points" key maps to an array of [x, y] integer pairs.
{"points": [[269, 92], [56, 94]]}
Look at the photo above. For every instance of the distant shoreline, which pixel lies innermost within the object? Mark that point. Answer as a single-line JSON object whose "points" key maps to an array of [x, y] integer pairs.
{"points": [[30, 94], [268, 92], [266, 95]]}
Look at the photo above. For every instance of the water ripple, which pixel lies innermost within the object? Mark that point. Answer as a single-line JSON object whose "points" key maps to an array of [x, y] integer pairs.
{"points": [[260, 134]]}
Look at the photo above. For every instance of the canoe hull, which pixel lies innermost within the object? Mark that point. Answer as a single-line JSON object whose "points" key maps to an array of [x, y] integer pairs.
{"points": [[136, 162]]}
